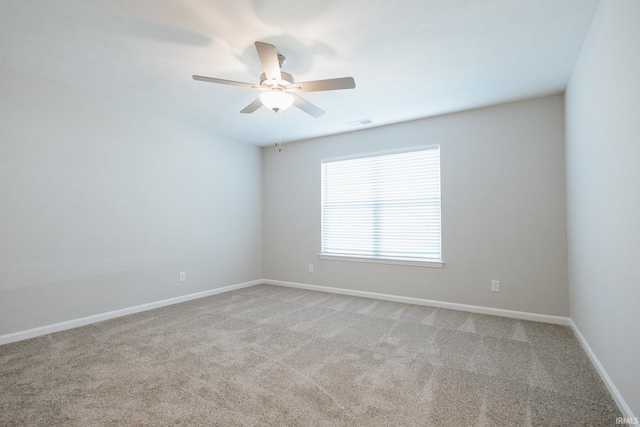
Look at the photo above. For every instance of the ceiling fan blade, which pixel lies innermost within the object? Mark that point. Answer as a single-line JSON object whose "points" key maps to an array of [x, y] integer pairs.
{"points": [[308, 107], [269, 58], [252, 107], [225, 82], [329, 84]]}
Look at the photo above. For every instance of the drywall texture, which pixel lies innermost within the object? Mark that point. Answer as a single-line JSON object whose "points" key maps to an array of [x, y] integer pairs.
{"points": [[603, 193], [102, 206], [503, 209]]}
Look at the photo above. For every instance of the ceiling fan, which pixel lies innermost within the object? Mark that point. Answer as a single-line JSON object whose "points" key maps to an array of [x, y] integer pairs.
{"points": [[279, 88]]}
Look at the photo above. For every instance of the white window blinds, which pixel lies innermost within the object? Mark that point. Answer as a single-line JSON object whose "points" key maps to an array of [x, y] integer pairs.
{"points": [[384, 206]]}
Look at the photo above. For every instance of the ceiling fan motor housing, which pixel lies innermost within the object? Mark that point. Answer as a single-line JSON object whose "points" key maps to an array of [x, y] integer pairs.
{"points": [[287, 80]]}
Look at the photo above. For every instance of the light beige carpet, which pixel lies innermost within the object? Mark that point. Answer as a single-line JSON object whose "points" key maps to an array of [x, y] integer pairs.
{"points": [[274, 356]]}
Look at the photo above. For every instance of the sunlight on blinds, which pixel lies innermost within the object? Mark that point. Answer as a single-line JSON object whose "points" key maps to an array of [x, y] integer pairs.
{"points": [[383, 206]]}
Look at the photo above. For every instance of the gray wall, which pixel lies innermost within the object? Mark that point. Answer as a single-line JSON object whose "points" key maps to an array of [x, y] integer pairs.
{"points": [[503, 209], [101, 206], [603, 191]]}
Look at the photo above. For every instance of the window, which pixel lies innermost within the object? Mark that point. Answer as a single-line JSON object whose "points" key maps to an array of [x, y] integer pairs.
{"points": [[383, 207]]}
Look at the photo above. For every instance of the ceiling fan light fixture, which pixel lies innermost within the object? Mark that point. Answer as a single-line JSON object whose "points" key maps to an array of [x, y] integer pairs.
{"points": [[276, 100]]}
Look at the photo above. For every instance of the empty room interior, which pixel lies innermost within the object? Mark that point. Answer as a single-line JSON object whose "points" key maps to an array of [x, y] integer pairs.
{"points": [[320, 213]]}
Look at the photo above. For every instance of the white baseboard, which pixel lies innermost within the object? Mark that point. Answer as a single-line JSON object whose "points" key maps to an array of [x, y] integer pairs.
{"points": [[545, 318], [622, 404], [69, 324]]}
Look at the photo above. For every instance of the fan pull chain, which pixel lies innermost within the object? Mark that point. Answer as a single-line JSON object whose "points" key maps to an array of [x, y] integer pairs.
{"points": [[279, 132]]}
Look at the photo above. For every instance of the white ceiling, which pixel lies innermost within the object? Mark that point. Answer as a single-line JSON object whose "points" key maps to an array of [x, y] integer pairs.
{"points": [[410, 58]]}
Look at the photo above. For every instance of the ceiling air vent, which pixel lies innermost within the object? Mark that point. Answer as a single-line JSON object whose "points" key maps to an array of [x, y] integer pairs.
{"points": [[360, 122]]}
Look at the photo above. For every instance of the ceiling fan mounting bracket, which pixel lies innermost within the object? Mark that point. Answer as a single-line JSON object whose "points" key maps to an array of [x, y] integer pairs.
{"points": [[281, 59]]}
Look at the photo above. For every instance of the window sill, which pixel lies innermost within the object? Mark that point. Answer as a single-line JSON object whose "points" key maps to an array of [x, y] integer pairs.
{"points": [[430, 264]]}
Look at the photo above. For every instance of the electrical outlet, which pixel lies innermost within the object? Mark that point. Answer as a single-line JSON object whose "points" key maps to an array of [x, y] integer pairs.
{"points": [[183, 276], [495, 286], [310, 268]]}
